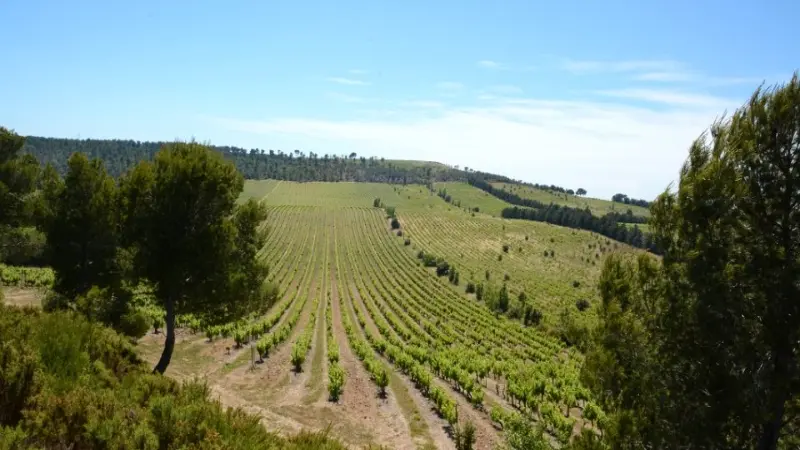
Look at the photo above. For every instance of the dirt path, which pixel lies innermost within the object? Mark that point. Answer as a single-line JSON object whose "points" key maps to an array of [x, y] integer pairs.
{"points": [[486, 434], [379, 421], [436, 425]]}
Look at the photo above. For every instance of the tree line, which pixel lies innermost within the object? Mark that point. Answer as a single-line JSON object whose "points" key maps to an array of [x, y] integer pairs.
{"points": [[583, 219], [119, 156]]}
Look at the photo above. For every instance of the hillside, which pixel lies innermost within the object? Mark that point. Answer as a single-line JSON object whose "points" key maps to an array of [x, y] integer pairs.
{"points": [[597, 206]]}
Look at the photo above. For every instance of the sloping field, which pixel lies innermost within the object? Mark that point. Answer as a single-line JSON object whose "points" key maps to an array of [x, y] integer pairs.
{"points": [[597, 206], [471, 197], [554, 266], [417, 356]]}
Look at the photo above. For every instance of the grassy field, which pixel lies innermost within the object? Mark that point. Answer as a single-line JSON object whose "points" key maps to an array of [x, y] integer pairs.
{"points": [[471, 197], [355, 300], [597, 206]]}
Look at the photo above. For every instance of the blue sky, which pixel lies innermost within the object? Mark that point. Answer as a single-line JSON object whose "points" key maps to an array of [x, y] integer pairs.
{"points": [[603, 95]]}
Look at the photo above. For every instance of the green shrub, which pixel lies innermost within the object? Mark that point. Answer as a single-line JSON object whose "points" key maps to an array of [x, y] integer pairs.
{"points": [[135, 323]]}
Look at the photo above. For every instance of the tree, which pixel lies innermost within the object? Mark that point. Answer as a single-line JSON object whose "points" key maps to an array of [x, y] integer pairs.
{"points": [[18, 199], [580, 191], [83, 228], [707, 343], [191, 241]]}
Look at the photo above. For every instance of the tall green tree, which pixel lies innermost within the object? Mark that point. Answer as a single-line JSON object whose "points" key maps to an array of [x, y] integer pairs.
{"points": [[191, 241], [703, 352], [82, 227], [18, 181]]}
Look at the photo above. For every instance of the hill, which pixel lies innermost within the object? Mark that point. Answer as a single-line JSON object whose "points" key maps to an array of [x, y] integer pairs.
{"points": [[597, 206]]}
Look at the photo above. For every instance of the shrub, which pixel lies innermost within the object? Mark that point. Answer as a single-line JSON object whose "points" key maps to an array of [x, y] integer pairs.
{"points": [[470, 287], [400, 233], [505, 248], [582, 304], [499, 257], [506, 277], [395, 223], [420, 254], [465, 438], [407, 242], [135, 323], [576, 284], [442, 268]]}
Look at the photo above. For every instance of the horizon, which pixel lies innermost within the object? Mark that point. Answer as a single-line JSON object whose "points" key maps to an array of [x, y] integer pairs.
{"points": [[608, 98]]}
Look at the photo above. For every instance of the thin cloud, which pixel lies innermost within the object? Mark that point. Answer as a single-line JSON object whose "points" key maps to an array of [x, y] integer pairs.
{"points": [[347, 81], [449, 85], [346, 97], [667, 97], [664, 76], [357, 72], [506, 89], [604, 146], [594, 66], [488, 64], [423, 104]]}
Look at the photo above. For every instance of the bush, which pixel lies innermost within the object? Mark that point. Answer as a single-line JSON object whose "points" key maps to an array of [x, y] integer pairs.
{"points": [[505, 248], [470, 287], [582, 304], [499, 257], [22, 247], [395, 223], [465, 438], [135, 323], [420, 254], [407, 242], [400, 233], [576, 284], [442, 268], [506, 277], [532, 316]]}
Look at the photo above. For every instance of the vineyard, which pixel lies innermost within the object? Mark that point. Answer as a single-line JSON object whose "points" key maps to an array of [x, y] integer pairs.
{"points": [[368, 340]]}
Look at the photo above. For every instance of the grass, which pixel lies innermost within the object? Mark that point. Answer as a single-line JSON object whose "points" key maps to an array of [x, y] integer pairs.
{"points": [[471, 197], [598, 206]]}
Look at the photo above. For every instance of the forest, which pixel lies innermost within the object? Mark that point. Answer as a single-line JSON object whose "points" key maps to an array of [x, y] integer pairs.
{"points": [[119, 156]]}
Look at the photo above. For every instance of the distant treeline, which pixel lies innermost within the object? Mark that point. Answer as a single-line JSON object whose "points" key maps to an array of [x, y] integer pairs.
{"points": [[120, 155], [583, 219], [608, 225]]}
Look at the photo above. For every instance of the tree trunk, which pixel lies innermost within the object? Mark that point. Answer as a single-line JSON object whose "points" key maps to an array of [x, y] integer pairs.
{"points": [[169, 344], [771, 429]]}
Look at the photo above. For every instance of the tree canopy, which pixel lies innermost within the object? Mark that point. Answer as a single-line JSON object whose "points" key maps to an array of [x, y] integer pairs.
{"points": [[703, 350]]}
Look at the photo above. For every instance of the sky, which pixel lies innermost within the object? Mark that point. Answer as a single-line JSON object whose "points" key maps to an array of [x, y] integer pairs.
{"points": [[607, 96]]}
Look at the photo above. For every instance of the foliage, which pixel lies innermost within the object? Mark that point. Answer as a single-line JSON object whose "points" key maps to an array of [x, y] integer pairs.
{"points": [[465, 437], [77, 382], [192, 242], [702, 351]]}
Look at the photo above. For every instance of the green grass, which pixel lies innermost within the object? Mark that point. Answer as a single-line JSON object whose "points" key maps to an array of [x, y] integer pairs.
{"points": [[645, 228], [598, 206], [471, 197], [257, 189]]}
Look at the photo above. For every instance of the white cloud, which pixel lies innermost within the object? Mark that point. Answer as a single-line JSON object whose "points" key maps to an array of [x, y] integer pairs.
{"points": [[449, 85], [357, 71], [347, 81], [604, 146], [506, 89], [664, 76], [347, 98], [593, 66], [424, 104], [488, 64], [667, 97]]}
